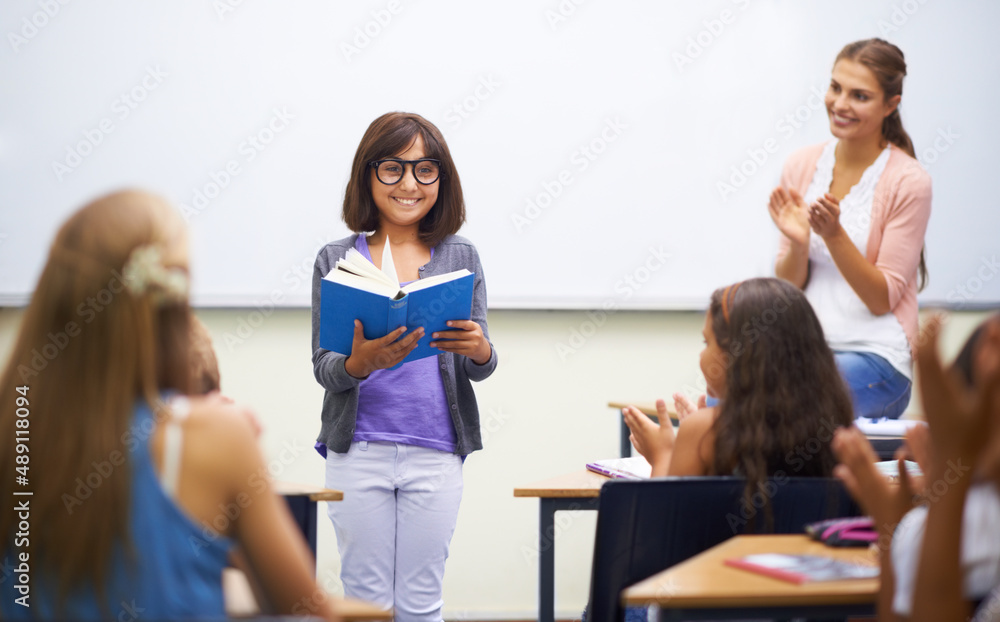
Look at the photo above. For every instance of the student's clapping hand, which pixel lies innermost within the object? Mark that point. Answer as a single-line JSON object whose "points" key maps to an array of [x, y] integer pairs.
{"points": [[789, 212], [466, 339], [684, 406], [655, 441]]}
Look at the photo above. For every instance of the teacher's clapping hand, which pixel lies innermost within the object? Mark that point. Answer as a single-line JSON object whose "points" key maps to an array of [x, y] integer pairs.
{"points": [[789, 212], [824, 216]]}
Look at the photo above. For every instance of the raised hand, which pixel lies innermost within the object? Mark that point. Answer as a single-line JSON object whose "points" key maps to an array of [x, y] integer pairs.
{"points": [[467, 339], [789, 212], [959, 417], [367, 355], [884, 502]]}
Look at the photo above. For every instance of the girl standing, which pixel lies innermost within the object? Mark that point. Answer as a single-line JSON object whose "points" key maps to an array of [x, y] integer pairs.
{"points": [[853, 213], [395, 439]]}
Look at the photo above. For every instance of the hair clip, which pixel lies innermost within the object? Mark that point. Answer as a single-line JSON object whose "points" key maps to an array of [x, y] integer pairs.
{"points": [[145, 273], [729, 296]]}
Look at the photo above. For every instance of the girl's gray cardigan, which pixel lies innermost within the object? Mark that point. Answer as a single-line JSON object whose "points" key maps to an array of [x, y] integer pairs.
{"points": [[340, 403]]}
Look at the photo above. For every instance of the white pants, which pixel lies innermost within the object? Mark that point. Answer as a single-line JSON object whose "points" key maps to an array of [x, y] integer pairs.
{"points": [[395, 523]]}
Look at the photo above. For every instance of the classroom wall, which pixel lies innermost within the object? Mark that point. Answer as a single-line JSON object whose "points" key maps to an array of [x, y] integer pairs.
{"points": [[544, 414]]}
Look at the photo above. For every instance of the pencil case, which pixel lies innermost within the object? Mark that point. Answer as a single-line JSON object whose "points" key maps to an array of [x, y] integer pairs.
{"points": [[855, 531]]}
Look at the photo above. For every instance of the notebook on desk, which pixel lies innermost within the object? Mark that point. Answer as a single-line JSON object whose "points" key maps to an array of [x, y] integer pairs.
{"points": [[885, 427], [635, 467]]}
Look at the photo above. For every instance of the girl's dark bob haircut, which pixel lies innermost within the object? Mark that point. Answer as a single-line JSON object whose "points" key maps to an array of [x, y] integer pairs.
{"points": [[388, 136]]}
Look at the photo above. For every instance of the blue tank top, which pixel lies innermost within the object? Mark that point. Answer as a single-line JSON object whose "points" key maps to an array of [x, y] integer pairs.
{"points": [[176, 568]]}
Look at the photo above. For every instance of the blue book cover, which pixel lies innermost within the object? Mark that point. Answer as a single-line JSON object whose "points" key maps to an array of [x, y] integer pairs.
{"points": [[431, 302]]}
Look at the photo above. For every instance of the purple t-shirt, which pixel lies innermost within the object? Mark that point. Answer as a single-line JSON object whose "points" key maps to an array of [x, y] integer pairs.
{"points": [[405, 405]]}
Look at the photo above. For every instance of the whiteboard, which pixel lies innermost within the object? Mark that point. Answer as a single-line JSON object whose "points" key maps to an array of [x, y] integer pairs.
{"points": [[613, 155]]}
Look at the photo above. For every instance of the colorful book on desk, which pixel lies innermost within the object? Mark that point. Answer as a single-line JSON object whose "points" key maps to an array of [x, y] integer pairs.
{"points": [[356, 289], [803, 568], [635, 467]]}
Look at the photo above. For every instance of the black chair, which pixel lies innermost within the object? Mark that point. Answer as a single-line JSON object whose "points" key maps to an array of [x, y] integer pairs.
{"points": [[646, 526]]}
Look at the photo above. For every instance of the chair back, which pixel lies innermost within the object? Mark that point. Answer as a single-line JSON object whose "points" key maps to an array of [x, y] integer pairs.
{"points": [[646, 526]]}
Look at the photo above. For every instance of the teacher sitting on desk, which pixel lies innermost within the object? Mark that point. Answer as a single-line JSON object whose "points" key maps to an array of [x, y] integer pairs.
{"points": [[853, 212]]}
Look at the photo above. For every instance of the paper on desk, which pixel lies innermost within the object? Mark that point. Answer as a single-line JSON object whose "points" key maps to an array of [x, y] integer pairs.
{"points": [[885, 427]]}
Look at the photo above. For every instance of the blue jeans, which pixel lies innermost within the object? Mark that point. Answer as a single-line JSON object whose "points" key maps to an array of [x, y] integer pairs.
{"points": [[877, 388]]}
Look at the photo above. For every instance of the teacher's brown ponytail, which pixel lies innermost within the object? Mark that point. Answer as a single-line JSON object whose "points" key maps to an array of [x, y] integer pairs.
{"points": [[886, 62]]}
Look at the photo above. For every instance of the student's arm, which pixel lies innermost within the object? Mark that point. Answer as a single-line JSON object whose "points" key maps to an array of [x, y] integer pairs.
{"points": [[959, 425], [694, 447], [886, 504], [224, 450]]}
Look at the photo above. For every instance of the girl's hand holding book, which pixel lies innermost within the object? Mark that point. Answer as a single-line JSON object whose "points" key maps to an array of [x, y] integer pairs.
{"points": [[369, 355], [468, 340]]}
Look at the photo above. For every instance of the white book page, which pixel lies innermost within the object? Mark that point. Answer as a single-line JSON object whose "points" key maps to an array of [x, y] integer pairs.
{"points": [[362, 283], [356, 263], [434, 280], [388, 267]]}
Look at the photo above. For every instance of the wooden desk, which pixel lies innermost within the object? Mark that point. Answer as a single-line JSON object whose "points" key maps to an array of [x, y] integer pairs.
{"points": [[241, 603], [301, 500], [703, 588], [574, 491]]}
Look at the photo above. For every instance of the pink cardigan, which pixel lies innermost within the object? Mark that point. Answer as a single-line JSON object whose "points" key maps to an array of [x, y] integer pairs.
{"points": [[901, 208]]}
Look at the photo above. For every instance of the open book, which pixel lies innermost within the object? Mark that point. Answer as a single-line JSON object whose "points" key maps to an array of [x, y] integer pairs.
{"points": [[356, 289], [803, 568]]}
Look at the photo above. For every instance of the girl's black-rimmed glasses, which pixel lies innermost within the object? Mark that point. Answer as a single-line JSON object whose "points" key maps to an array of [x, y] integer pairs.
{"points": [[390, 170]]}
